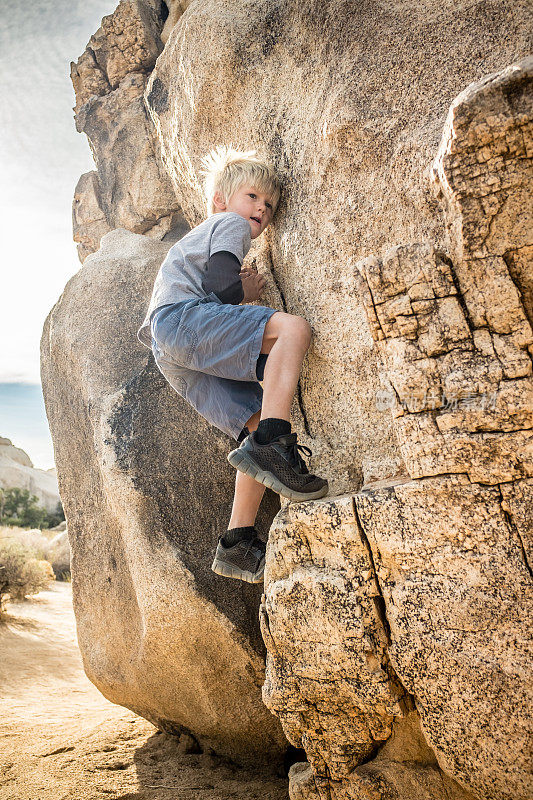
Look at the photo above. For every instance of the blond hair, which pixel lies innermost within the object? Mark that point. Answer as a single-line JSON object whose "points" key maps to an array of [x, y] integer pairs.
{"points": [[227, 169]]}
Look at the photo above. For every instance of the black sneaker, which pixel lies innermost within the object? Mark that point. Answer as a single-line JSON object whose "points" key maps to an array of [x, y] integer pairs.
{"points": [[279, 466], [244, 560]]}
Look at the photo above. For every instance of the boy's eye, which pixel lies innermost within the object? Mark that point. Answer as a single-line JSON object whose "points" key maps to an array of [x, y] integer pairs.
{"points": [[252, 194]]}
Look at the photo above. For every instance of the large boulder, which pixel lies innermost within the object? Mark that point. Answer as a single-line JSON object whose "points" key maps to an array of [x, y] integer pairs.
{"points": [[146, 489], [422, 589], [330, 674]]}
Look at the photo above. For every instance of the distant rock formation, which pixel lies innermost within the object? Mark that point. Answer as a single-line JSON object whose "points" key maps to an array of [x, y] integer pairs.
{"points": [[17, 472], [395, 611]]}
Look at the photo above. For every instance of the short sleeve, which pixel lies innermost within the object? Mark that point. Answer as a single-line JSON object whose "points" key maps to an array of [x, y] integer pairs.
{"points": [[231, 234]]}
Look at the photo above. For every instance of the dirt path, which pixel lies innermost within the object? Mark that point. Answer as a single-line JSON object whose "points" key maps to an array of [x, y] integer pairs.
{"points": [[60, 739]]}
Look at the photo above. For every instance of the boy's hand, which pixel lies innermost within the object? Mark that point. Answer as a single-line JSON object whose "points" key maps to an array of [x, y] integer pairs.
{"points": [[252, 283]]}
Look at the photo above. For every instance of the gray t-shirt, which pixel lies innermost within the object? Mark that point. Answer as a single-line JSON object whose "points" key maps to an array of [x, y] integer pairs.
{"points": [[180, 275]]}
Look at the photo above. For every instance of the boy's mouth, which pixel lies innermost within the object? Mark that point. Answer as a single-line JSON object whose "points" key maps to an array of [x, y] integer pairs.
{"points": [[255, 219]]}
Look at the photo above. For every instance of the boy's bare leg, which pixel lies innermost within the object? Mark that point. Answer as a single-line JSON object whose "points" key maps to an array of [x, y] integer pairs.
{"points": [[248, 492], [286, 340]]}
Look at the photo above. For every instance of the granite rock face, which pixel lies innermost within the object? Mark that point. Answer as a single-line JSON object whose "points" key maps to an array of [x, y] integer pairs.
{"points": [[446, 555], [158, 632], [394, 611], [457, 595], [330, 677], [349, 104]]}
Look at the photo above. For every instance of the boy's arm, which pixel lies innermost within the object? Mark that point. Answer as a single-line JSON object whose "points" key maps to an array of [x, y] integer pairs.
{"points": [[222, 277]]}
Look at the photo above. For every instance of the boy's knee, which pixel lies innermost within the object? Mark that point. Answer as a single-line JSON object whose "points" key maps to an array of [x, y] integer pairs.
{"points": [[304, 330], [292, 325]]}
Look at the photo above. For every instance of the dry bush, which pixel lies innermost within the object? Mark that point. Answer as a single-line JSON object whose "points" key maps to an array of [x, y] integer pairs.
{"points": [[32, 539], [22, 572]]}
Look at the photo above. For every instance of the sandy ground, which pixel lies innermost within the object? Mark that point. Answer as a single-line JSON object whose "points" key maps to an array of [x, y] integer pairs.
{"points": [[60, 739]]}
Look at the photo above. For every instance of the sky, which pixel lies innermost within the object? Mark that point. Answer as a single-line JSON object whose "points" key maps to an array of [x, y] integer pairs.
{"points": [[23, 420], [41, 158]]}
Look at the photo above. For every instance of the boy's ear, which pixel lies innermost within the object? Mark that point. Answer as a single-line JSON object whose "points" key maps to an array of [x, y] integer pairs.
{"points": [[219, 201]]}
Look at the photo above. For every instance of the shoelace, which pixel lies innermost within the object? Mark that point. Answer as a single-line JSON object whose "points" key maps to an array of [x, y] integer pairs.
{"points": [[295, 458], [251, 544]]}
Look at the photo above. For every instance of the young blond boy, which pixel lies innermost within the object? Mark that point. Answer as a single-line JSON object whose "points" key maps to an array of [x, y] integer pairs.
{"points": [[214, 351]]}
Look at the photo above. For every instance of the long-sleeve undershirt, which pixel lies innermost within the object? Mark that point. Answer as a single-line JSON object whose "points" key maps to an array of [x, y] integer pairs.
{"points": [[223, 279]]}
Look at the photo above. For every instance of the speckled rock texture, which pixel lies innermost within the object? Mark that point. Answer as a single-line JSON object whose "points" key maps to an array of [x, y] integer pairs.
{"points": [[130, 187], [330, 676], [457, 595], [395, 611], [445, 556], [146, 489]]}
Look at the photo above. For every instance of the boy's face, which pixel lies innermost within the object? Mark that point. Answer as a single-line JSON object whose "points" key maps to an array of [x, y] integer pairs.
{"points": [[250, 203]]}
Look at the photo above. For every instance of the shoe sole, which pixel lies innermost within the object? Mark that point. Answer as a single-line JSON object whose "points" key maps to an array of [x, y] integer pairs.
{"points": [[227, 571], [241, 461]]}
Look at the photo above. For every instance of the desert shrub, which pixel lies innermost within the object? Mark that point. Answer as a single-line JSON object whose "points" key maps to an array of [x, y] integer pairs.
{"points": [[46, 545], [33, 540], [21, 573], [55, 517]]}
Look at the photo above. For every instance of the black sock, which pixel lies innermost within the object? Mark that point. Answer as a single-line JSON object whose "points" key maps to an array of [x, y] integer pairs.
{"points": [[270, 428], [234, 535], [243, 434]]}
